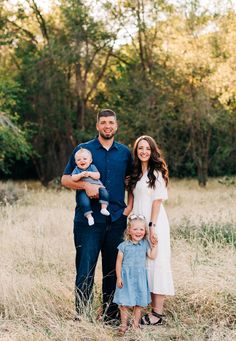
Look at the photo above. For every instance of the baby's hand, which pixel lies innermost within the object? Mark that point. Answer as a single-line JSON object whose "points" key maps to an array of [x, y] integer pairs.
{"points": [[119, 283], [84, 174]]}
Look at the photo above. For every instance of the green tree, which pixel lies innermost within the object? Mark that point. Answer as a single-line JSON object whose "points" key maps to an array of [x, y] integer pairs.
{"points": [[60, 63], [14, 142], [173, 78]]}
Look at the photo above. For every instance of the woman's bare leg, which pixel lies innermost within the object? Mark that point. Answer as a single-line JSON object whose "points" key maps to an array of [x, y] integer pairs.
{"points": [[157, 306], [158, 302]]}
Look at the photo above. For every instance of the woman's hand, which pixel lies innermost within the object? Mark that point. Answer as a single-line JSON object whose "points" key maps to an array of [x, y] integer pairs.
{"points": [[154, 240], [127, 211], [153, 237]]}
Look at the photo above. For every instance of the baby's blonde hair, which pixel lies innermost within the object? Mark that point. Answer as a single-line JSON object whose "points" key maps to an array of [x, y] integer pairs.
{"points": [[83, 150], [132, 218]]}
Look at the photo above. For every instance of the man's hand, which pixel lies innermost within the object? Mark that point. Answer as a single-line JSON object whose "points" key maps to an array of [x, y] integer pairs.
{"points": [[119, 282], [92, 190]]}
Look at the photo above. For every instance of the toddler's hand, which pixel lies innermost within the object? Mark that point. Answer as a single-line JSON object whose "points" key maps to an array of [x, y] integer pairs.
{"points": [[153, 239], [119, 283]]}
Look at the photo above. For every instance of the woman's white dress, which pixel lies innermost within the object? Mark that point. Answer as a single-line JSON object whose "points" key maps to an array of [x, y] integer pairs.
{"points": [[159, 270]]}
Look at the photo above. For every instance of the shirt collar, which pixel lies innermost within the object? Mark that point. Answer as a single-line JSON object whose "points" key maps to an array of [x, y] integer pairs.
{"points": [[138, 243], [99, 145]]}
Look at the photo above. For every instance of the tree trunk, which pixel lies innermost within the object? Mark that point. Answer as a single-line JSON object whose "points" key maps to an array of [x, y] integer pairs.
{"points": [[80, 114], [203, 159], [202, 173], [54, 157]]}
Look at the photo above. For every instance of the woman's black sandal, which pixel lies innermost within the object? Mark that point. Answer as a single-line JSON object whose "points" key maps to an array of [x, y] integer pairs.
{"points": [[145, 320]]}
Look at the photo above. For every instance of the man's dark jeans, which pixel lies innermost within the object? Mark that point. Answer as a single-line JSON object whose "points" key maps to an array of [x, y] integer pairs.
{"points": [[89, 241], [84, 200]]}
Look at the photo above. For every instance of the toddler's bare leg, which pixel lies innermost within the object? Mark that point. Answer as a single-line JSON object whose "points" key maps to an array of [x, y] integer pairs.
{"points": [[137, 316], [124, 313]]}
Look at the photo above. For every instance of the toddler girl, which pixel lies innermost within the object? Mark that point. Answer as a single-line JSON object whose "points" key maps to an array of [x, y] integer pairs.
{"points": [[132, 285]]}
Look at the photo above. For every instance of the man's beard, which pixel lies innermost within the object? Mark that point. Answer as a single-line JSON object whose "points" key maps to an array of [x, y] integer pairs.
{"points": [[107, 137]]}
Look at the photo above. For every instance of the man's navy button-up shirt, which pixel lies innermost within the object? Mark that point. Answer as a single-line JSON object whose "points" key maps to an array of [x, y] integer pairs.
{"points": [[113, 165]]}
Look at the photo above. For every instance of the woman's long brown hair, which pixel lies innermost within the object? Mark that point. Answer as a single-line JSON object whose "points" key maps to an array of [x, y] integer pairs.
{"points": [[155, 163]]}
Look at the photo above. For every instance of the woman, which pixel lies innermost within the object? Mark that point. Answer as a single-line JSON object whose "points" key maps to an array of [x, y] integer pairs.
{"points": [[148, 184]]}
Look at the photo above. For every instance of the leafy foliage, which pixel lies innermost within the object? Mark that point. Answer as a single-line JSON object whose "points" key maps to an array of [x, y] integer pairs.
{"points": [[173, 78], [13, 142]]}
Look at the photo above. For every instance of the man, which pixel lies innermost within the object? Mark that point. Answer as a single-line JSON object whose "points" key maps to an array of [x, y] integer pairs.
{"points": [[114, 162]]}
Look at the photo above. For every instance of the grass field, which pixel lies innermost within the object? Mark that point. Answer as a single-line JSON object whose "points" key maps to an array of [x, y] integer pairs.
{"points": [[37, 267]]}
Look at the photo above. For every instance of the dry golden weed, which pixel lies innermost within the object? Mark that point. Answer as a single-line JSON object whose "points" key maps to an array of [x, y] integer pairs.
{"points": [[37, 269]]}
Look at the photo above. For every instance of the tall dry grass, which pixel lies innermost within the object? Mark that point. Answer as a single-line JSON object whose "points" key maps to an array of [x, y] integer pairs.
{"points": [[37, 268]]}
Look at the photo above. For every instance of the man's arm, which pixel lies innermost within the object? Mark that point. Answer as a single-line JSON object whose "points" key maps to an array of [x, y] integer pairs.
{"points": [[91, 189]]}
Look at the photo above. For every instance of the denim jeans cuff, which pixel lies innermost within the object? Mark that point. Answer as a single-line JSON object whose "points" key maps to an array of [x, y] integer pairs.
{"points": [[87, 213], [103, 202]]}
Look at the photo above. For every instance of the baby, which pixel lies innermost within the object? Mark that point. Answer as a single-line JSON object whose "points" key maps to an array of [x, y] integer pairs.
{"points": [[86, 171]]}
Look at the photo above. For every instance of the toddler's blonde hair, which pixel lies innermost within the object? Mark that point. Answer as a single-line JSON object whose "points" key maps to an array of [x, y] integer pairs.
{"points": [[132, 218]]}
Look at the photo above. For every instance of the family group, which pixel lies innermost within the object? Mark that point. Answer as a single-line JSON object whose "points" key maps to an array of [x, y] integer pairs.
{"points": [[133, 237]]}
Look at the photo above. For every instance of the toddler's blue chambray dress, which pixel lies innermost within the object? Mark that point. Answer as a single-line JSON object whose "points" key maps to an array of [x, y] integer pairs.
{"points": [[135, 290]]}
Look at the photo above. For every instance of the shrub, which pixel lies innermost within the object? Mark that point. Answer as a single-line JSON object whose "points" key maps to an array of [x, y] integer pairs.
{"points": [[9, 194], [207, 233]]}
